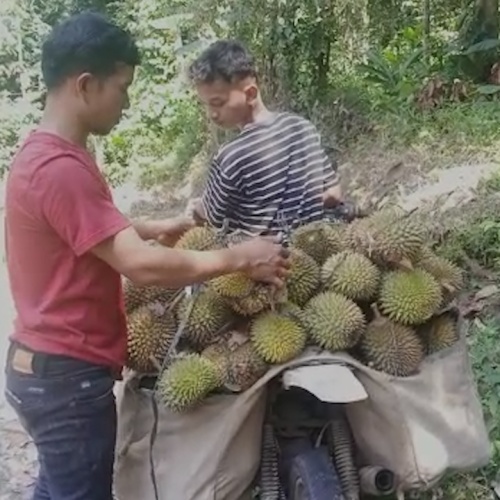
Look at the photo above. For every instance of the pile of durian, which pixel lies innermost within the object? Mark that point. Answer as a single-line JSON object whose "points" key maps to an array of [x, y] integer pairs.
{"points": [[374, 288]]}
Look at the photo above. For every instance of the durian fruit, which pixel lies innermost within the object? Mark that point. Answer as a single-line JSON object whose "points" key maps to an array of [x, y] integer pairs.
{"points": [[386, 216], [203, 315], [245, 368], [262, 298], [220, 354], [391, 347], [318, 239], [234, 285], [276, 337], [352, 275], [134, 296], [334, 321], [358, 233], [187, 381], [138, 295], [303, 278], [409, 297], [387, 238], [293, 311], [440, 332], [200, 238], [447, 274], [149, 338]]}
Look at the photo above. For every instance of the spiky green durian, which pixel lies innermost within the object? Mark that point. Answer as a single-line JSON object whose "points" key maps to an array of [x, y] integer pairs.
{"points": [[200, 238], [187, 381], [358, 234], [318, 239], [409, 297], [277, 338], [220, 354], [234, 285], [334, 322], [206, 316], [352, 275], [391, 347], [440, 332], [149, 338], [262, 298], [387, 238], [245, 368], [447, 274], [139, 295], [303, 278]]}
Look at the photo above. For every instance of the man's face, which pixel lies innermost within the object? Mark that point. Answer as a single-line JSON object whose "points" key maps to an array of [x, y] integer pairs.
{"points": [[105, 99], [229, 105]]}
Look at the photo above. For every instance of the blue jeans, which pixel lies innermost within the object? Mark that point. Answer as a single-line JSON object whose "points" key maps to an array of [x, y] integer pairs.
{"points": [[68, 408]]}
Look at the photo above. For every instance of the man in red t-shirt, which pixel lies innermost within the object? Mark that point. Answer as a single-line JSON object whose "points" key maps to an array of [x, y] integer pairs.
{"points": [[67, 245]]}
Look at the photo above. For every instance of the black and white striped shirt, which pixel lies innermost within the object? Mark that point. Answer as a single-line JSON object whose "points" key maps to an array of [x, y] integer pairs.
{"points": [[272, 169]]}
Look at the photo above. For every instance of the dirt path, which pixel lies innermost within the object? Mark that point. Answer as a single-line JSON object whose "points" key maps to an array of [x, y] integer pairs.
{"points": [[17, 457]]}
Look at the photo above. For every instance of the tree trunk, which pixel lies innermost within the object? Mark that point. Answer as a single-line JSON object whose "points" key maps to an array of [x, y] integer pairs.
{"points": [[487, 16], [426, 28]]}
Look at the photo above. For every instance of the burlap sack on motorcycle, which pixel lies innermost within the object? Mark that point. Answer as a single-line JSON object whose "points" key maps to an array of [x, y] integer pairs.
{"points": [[212, 453], [422, 426], [419, 427]]}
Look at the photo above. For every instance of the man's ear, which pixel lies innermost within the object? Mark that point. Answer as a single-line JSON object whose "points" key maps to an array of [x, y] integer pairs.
{"points": [[251, 92], [83, 83]]}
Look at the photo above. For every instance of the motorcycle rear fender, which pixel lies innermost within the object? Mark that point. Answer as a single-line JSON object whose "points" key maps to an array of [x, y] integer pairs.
{"points": [[331, 383]]}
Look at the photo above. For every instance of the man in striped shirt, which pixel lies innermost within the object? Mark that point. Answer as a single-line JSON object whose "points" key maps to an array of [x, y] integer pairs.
{"points": [[275, 170]]}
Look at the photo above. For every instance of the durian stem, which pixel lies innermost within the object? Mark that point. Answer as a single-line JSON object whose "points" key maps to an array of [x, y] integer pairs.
{"points": [[155, 363], [176, 299], [449, 288], [375, 310], [405, 264]]}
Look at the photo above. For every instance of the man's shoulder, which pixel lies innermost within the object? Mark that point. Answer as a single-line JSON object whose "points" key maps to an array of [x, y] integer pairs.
{"points": [[44, 156], [40, 150], [282, 121], [295, 118]]}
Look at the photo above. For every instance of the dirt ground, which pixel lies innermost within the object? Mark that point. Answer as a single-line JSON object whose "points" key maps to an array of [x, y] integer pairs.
{"points": [[368, 183]]}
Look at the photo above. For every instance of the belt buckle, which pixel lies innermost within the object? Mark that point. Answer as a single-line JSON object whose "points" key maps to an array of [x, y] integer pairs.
{"points": [[22, 361]]}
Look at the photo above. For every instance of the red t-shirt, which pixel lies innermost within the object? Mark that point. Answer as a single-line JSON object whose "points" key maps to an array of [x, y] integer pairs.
{"points": [[58, 206]]}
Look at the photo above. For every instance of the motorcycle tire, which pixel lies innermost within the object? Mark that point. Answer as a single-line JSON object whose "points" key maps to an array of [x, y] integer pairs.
{"points": [[312, 476]]}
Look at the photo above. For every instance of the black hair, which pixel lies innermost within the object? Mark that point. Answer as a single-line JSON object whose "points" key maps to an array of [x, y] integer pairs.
{"points": [[86, 42], [226, 60]]}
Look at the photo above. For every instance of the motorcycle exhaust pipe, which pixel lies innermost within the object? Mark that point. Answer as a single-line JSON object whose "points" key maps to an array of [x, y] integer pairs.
{"points": [[377, 481]]}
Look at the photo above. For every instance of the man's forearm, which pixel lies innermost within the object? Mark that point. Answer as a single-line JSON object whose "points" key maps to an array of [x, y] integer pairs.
{"points": [[179, 268], [147, 229]]}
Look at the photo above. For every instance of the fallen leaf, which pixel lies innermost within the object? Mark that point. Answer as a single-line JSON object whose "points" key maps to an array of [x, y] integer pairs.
{"points": [[486, 292]]}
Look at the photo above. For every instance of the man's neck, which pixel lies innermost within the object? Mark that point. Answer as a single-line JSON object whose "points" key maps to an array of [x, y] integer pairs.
{"points": [[259, 114], [58, 121]]}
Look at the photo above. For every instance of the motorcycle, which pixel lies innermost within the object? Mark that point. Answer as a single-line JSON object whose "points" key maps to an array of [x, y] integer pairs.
{"points": [[308, 449]]}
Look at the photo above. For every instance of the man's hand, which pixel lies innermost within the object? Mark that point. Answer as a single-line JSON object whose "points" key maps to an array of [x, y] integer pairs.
{"points": [[170, 230], [265, 259], [333, 196], [195, 210]]}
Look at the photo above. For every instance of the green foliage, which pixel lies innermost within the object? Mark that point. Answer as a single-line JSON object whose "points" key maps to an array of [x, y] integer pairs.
{"points": [[353, 67], [358, 69], [478, 241]]}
